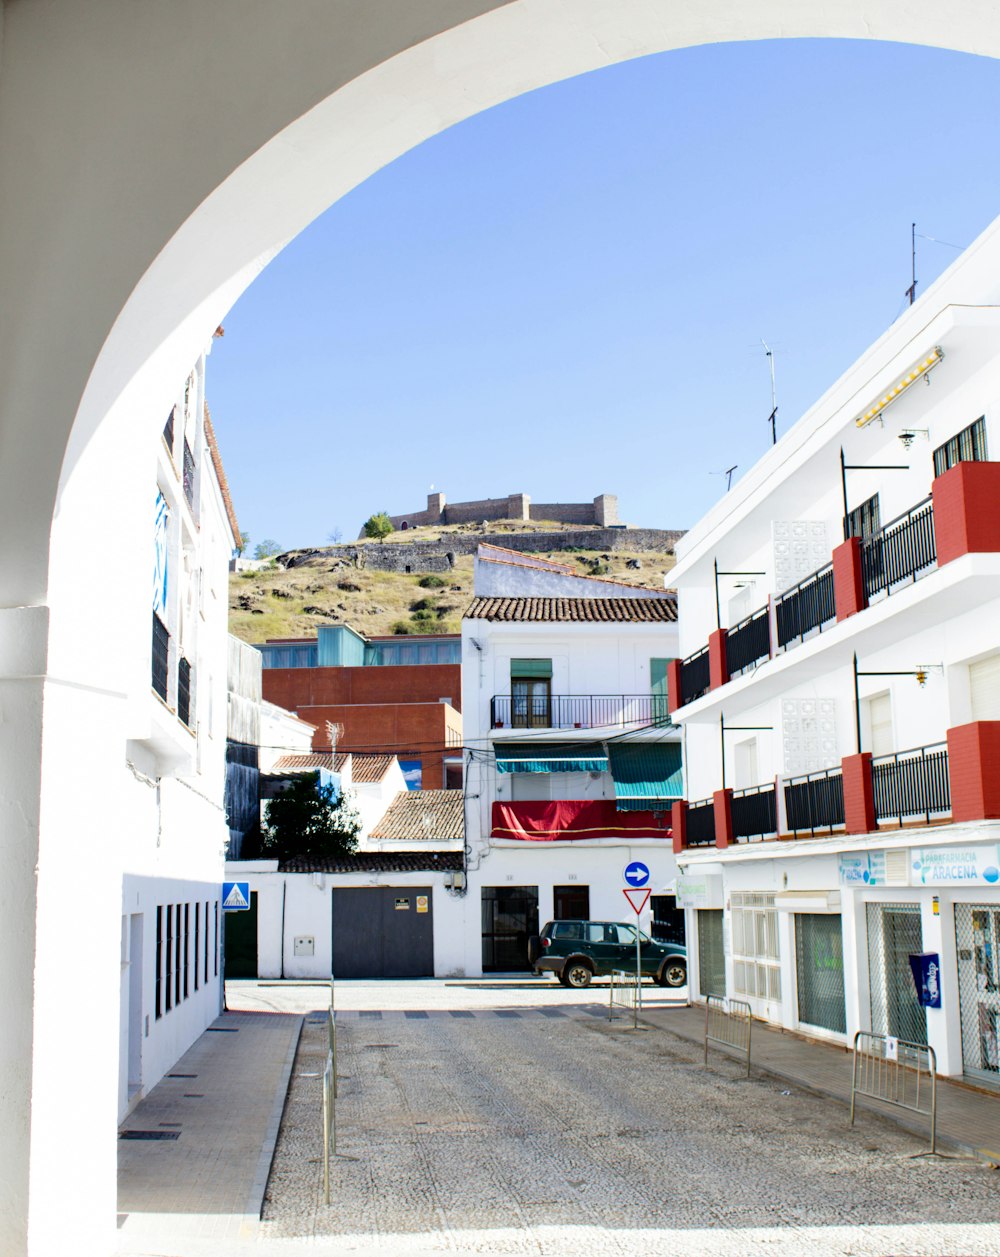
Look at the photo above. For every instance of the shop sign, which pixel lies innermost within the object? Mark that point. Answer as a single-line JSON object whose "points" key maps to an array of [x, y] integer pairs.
{"points": [[867, 868], [956, 866], [699, 892]]}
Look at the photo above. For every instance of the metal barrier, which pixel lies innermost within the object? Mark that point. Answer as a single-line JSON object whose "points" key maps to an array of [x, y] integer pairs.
{"points": [[329, 1122], [727, 1025], [896, 1072], [626, 992]]}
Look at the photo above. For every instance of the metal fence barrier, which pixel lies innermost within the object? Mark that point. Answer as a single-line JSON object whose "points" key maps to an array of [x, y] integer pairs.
{"points": [[626, 992], [727, 1025], [329, 1122], [896, 1072]]}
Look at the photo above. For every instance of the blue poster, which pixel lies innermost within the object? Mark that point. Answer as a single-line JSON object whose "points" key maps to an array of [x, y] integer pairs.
{"points": [[926, 969]]}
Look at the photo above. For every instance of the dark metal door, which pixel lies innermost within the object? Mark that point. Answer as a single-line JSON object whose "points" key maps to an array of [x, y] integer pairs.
{"points": [[571, 903], [383, 932], [240, 934], [668, 920], [510, 916]]}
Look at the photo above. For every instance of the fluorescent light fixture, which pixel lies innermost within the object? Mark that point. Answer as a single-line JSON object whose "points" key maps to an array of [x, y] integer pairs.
{"points": [[918, 371]]}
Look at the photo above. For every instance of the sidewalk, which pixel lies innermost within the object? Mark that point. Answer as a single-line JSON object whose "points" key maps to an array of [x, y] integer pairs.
{"points": [[198, 1173], [967, 1120]]}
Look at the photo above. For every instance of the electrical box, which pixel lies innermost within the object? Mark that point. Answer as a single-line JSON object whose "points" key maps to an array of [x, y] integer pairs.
{"points": [[304, 945]]}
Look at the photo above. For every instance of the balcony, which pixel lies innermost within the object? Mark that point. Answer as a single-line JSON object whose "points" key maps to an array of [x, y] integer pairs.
{"points": [[573, 820], [161, 657], [581, 711], [806, 608], [694, 676], [899, 553], [754, 814], [910, 784], [748, 643], [814, 802], [701, 823]]}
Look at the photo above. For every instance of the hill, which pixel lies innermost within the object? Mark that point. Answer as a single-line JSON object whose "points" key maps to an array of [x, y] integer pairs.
{"points": [[350, 583]]}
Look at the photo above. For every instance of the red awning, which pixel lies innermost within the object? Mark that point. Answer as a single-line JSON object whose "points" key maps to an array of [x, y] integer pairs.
{"points": [[571, 819]]}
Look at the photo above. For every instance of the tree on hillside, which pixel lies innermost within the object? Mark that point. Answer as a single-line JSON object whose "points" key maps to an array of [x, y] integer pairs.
{"points": [[335, 536], [244, 543], [307, 819], [378, 526], [266, 549]]}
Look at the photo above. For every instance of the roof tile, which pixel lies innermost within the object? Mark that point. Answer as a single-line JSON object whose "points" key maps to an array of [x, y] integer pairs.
{"points": [[575, 610], [422, 815]]}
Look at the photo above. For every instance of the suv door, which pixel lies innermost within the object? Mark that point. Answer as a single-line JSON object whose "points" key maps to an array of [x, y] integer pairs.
{"points": [[650, 953], [602, 946]]}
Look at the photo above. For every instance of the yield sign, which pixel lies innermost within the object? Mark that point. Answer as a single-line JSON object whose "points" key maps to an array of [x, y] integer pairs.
{"points": [[637, 898]]}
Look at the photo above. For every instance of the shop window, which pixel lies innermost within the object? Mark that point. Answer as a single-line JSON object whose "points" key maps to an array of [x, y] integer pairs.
{"points": [[711, 952], [756, 969], [819, 956]]}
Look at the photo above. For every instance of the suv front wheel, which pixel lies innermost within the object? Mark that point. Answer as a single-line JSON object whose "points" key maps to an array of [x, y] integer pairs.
{"points": [[577, 974], [673, 973]]}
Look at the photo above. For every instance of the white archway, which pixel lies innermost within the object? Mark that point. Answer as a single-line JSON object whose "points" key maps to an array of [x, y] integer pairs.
{"points": [[152, 159]]}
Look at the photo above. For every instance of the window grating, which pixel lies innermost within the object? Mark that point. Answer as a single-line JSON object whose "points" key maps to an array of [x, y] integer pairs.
{"points": [[711, 952], [894, 934], [819, 955], [756, 957], [977, 937], [967, 446]]}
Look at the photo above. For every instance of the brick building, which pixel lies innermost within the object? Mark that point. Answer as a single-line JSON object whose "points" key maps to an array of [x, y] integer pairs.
{"points": [[401, 696]]}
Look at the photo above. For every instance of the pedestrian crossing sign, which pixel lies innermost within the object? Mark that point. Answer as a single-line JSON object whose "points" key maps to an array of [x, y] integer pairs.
{"points": [[235, 896]]}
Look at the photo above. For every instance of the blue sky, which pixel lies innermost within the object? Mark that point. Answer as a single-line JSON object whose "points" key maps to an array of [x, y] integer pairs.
{"points": [[565, 295]]}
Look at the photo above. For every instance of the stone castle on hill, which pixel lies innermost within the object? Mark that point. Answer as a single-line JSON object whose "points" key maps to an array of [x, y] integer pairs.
{"points": [[603, 511]]}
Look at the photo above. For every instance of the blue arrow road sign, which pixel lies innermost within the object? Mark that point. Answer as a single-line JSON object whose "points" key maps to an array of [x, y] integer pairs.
{"points": [[235, 896], [636, 873]]}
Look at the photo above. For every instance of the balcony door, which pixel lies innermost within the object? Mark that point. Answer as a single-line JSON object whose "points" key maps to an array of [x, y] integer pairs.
{"points": [[531, 693]]}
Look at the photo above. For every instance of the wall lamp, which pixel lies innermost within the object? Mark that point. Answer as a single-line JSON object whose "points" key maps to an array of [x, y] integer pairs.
{"points": [[920, 672]]}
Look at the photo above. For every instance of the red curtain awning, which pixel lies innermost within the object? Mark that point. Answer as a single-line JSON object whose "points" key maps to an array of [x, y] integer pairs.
{"points": [[569, 819]]}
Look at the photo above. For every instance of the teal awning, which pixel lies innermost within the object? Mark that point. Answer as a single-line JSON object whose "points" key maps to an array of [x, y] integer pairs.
{"points": [[523, 668], [647, 775], [551, 757]]}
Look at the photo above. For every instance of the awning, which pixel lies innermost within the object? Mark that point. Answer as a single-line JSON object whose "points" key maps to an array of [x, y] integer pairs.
{"points": [[647, 775], [551, 757], [520, 668], [570, 820]]}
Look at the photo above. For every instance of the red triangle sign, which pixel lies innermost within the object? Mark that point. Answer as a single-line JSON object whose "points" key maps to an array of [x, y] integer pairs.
{"points": [[637, 898]]}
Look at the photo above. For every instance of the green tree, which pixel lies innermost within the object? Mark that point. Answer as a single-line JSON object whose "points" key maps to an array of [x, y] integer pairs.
{"points": [[378, 526], [307, 819], [266, 549], [244, 543]]}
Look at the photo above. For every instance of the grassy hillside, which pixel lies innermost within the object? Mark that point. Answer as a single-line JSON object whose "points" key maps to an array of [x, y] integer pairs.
{"points": [[327, 588]]}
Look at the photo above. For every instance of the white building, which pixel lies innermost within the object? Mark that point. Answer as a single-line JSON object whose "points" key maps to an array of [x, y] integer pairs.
{"points": [[846, 694], [169, 831], [572, 764]]}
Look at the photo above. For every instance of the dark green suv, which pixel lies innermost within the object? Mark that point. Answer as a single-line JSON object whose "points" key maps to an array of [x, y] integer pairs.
{"points": [[577, 951]]}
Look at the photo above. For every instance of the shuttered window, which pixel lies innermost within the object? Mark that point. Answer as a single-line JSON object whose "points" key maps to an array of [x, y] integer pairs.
{"points": [[880, 716], [984, 687], [967, 446]]}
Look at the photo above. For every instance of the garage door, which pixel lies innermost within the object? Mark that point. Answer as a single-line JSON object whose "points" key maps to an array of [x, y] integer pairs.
{"points": [[383, 932]]}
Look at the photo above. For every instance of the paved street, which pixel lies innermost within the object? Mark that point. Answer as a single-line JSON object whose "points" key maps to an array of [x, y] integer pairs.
{"points": [[512, 1118]]}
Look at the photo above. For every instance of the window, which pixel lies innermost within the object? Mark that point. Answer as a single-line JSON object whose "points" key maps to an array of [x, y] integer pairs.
{"points": [[984, 688], [197, 942], [756, 969], [864, 520], [746, 763], [161, 657], [967, 446], [529, 787], [177, 953], [206, 942], [215, 937], [880, 720], [819, 956], [184, 692], [159, 961], [168, 960], [187, 927]]}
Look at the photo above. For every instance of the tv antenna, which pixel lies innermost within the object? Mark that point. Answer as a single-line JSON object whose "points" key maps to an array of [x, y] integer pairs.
{"points": [[728, 473], [911, 292], [773, 417]]}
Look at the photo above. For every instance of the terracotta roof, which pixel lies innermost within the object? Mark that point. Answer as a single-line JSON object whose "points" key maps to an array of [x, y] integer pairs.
{"points": [[575, 610], [309, 762], [377, 862], [521, 558], [220, 475], [419, 815], [524, 559], [368, 769]]}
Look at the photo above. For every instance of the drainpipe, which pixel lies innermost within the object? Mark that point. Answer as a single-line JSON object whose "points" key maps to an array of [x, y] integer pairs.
{"points": [[284, 887]]}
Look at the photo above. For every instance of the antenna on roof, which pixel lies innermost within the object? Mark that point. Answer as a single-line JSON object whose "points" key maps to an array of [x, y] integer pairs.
{"points": [[728, 473], [773, 417], [911, 292]]}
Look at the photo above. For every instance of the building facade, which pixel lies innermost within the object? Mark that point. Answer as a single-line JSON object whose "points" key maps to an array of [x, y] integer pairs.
{"points": [[572, 764], [394, 695], [170, 814], [839, 693]]}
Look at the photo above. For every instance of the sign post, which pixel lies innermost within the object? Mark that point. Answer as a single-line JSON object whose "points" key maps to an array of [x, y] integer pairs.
{"points": [[638, 900]]}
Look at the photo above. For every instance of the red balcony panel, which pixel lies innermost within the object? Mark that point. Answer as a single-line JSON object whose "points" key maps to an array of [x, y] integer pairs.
{"points": [[678, 819], [974, 770], [859, 793], [674, 699], [567, 820], [718, 669], [848, 582], [723, 809], [967, 511]]}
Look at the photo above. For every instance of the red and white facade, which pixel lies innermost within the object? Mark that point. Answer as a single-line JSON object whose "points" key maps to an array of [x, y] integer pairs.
{"points": [[839, 691]]}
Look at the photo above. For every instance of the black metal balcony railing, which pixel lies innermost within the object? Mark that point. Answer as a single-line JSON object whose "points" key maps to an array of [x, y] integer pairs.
{"points": [[161, 656], [701, 824], [168, 431], [184, 692], [576, 711], [754, 813], [188, 474], [749, 642], [806, 606], [899, 552], [694, 675], [815, 802], [912, 783]]}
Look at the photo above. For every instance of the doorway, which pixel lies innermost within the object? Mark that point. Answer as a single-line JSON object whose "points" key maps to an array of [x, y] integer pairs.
{"points": [[509, 918], [383, 932], [135, 1003], [668, 920], [894, 934], [571, 903], [239, 932], [977, 937]]}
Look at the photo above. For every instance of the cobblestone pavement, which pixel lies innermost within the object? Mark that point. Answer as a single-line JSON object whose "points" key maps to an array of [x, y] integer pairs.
{"points": [[542, 1129]]}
